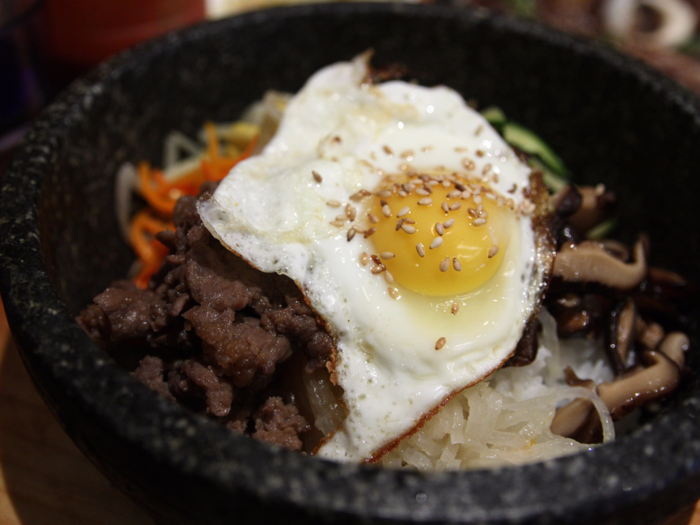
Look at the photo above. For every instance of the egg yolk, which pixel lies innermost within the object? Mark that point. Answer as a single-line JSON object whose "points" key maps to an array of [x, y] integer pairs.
{"points": [[440, 238]]}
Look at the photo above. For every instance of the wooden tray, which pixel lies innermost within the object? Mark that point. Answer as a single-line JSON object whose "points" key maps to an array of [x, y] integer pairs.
{"points": [[45, 479]]}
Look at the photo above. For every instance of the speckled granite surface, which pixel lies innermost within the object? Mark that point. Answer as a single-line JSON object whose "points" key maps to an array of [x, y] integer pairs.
{"points": [[611, 119]]}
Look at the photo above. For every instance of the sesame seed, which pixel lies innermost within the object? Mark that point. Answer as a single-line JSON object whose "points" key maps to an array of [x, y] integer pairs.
{"points": [[393, 292], [449, 223], [454, 194], [342, 218], [439, 228], [333, 204], [387, 255], [480, 153], [403, 211], [399, 223], [513, 188], [351, 212], [364, 259], [408, 188], [408, 154], [437, 242], [428, 188], [483, 214], [490, 195], [408, 220], [384, 193], [478, 222], [427, 149], [486, 169], [455, 308], [369, 232], [351, 234], [376, 259], [495, 178], [456, 264], [440, 343], [445, 264], [446, 184], [402, 193], [433, 182], [358, 196], [386, 210], [477, 199], [388, 278], [338, 224], [445, 207], [371, 217], [455, 206], [466, 194], [493, 251], [478, 130], [473, 212], [317, 176], [425, 201], [408, 228], [337, 139], [461, 150], [387, 150], [468, 164], [422, 191], [377, 269]]}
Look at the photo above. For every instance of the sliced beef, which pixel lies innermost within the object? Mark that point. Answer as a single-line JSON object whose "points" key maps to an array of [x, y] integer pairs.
{"points": [[213, 333], [279, 423], [151, 372]]}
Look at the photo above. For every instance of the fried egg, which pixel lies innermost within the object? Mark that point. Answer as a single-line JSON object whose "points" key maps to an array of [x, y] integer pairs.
{"points": [[407, 223]]}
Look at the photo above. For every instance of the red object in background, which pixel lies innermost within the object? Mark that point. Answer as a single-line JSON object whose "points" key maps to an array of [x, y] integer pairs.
{"points": [[84, 32]]}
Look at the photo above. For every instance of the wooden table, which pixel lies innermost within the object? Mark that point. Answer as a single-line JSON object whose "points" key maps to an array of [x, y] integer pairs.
{"points": [[45, 479]]}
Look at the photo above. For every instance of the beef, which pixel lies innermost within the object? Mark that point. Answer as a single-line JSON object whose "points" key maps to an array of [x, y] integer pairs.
{"points": [[214, 333], [280, 424]]}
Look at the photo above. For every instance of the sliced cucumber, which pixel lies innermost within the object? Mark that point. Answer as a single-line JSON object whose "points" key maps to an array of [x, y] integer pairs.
{"points": [[553, 181], [602, 230], [495, 117], [525, 140]]}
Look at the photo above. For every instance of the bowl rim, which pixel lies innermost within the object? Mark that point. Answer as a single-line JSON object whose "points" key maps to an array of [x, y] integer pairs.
{"points": [[232, 461]]}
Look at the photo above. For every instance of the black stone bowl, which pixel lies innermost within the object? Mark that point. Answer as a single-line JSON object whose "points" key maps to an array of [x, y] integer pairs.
{"points": [[612, 120]]}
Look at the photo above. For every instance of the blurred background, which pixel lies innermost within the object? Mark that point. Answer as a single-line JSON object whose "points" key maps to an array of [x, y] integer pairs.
{"points": [[44, 44]]}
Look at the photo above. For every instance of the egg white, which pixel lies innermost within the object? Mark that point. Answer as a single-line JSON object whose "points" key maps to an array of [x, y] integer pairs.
{"points": [[272, 212]]}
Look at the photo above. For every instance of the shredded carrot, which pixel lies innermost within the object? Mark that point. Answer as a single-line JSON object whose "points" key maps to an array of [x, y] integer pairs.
{"points": [[154, 194], [142, 235], [162, 195]]}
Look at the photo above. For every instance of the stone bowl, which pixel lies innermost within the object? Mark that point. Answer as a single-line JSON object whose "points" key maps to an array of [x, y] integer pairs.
{"points": [[613, 121]]}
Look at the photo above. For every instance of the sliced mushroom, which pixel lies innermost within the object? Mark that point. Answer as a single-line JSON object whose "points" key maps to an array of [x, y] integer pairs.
{"points": [[640, 385], [570, 419], [567, 201], [620, 334], [649, 334], [526, 351], [590, 262], [596, 206], [674, 346]]}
